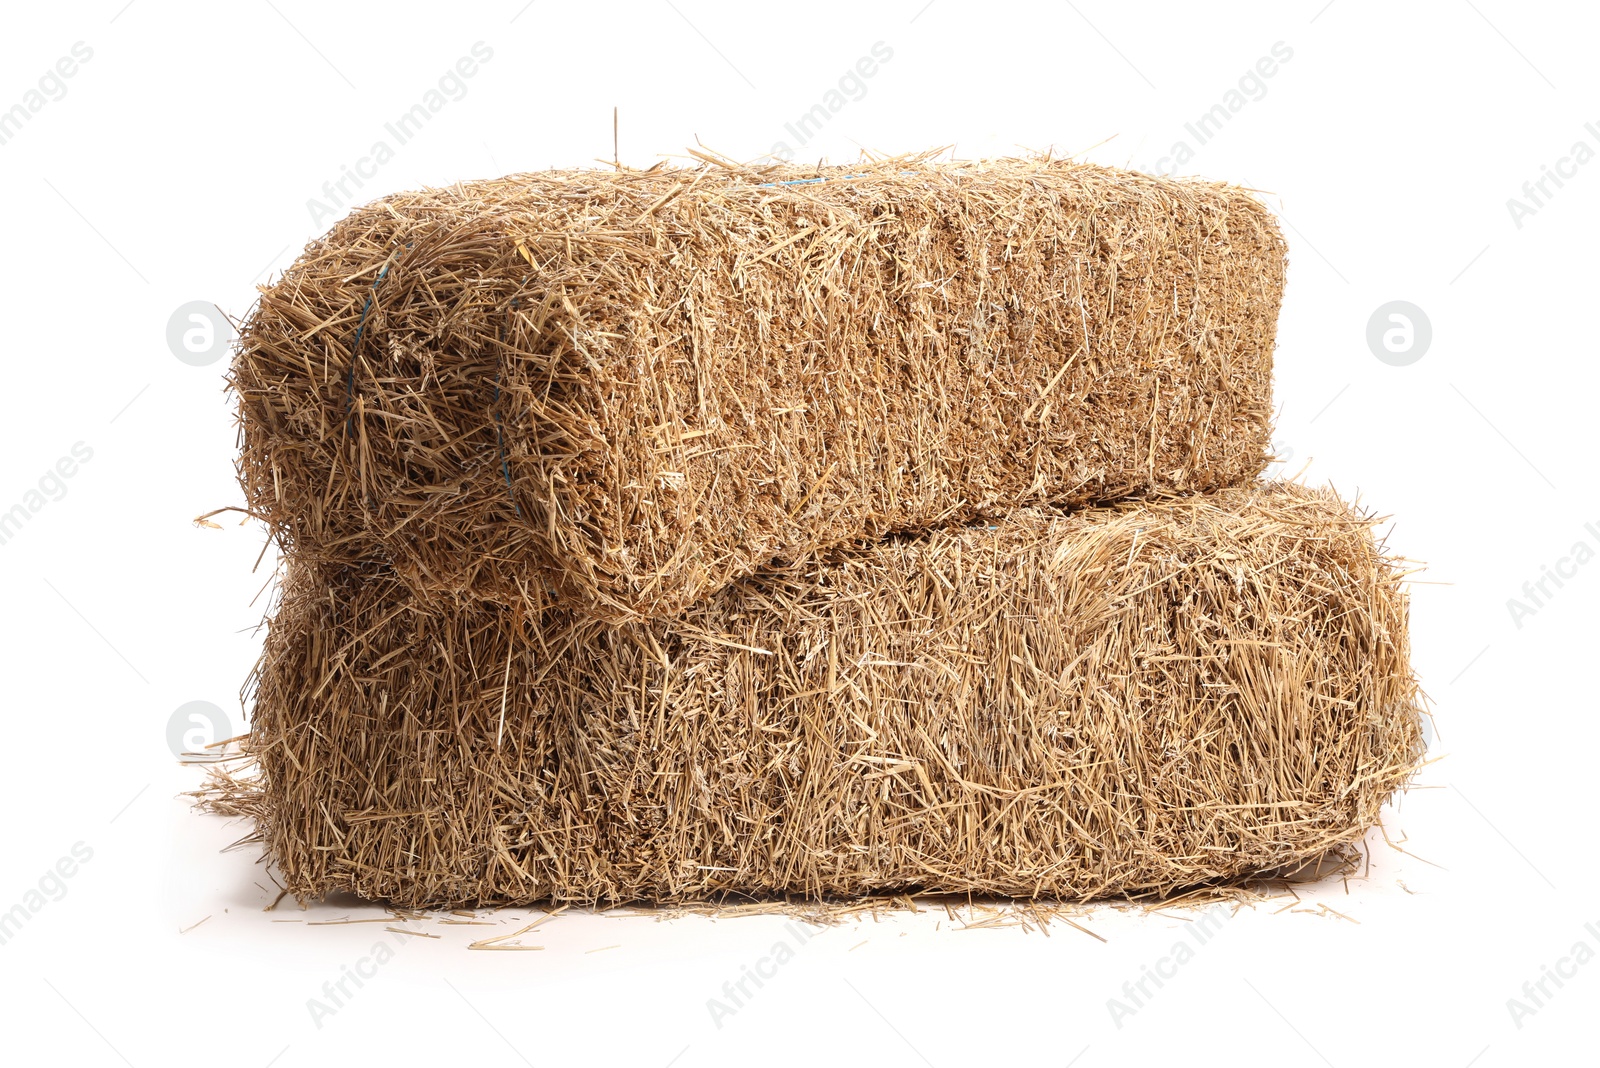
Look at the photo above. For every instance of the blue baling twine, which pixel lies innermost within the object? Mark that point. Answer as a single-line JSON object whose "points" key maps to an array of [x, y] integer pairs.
{"points": [[824, 178], [810, 181], [350, 383], [355, 346]]}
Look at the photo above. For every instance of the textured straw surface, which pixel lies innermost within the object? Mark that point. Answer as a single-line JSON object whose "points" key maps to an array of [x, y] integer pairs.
{"points": [[1124, 702], [623, 390]]}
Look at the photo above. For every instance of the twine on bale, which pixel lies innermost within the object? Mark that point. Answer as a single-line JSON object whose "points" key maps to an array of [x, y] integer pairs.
{"points": [[355, 349], [711, 369], [1122, 702]]}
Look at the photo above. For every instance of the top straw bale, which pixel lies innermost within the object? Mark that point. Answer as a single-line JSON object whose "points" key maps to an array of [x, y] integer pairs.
{"points": [[623, 390]]}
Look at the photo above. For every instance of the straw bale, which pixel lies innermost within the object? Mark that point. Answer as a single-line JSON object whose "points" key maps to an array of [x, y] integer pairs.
{"points": [[623, 390], [1117, 703]]}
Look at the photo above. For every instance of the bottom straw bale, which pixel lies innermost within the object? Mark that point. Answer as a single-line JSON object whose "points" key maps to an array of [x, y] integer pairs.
{"points": [[1124, 702]]}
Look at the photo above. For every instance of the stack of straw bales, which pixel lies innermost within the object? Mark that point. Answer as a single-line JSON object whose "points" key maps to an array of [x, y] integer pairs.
{"points": [[684, 534]]}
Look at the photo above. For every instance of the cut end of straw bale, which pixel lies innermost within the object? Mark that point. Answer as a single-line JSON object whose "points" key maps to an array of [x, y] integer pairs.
{"points": [[620, 391]]}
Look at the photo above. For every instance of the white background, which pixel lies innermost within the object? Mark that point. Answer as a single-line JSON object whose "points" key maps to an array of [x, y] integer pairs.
{"points": [[178, 166]]}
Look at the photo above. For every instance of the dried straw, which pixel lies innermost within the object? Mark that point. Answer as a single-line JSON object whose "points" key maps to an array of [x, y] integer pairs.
{"points": [[623, 390], [1122, 702]]}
